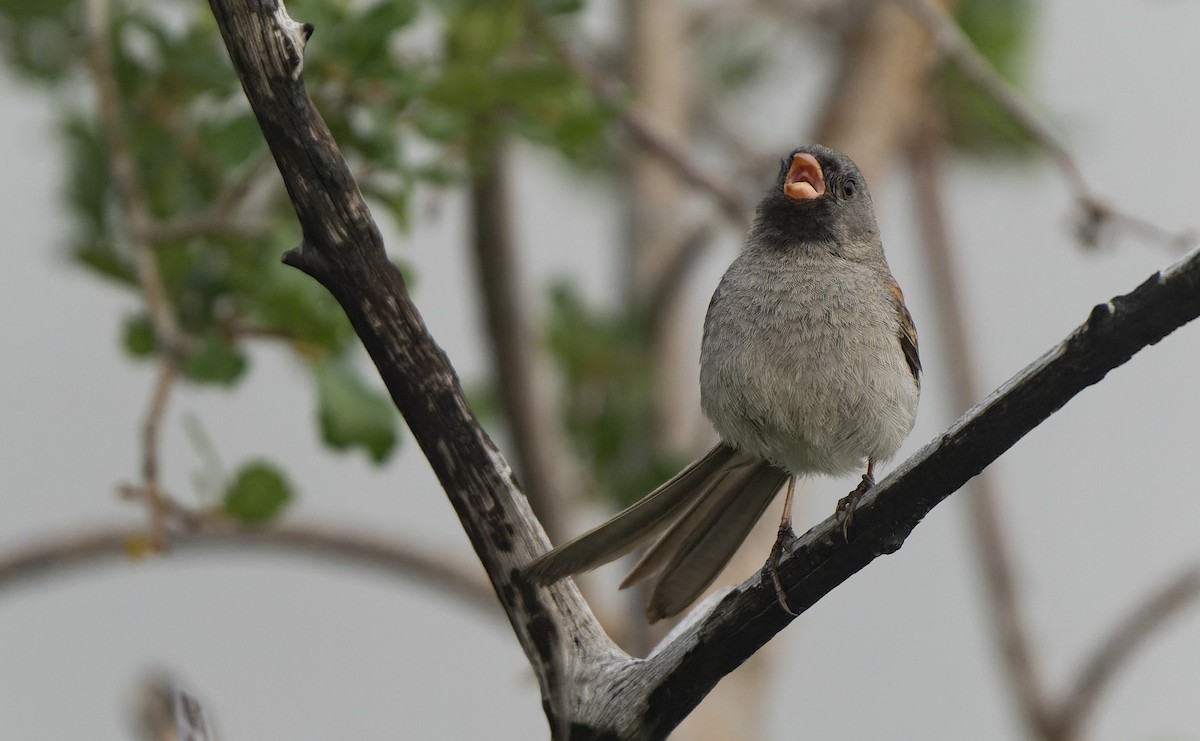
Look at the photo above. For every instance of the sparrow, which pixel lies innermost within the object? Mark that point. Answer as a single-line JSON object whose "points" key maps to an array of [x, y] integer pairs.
{"points": [[808, 366]]}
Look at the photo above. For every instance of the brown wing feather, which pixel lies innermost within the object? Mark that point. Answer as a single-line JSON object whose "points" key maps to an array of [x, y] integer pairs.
{"points": [[907, 335]]}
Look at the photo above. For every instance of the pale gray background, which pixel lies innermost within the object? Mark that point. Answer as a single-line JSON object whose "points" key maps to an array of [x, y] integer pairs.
{"points": [[282, 648]]}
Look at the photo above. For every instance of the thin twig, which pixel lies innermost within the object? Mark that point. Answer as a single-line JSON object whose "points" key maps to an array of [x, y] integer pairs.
{"points": [[51, 554], [220, 219], [139, 225], [646, 132], [1119, 647], [167, 372], [1097, 212]]}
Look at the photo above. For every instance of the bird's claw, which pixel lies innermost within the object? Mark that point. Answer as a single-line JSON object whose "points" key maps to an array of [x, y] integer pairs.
{"points": [[847, 504], [783, 542]]}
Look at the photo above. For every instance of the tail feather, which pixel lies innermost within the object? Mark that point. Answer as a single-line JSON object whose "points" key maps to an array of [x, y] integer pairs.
{"points": [[636, 524], [704, 540], [703, 514], [717, 493]]}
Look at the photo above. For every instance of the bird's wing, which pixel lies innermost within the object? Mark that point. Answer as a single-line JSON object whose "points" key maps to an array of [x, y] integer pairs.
{"points": [[907, 334]]}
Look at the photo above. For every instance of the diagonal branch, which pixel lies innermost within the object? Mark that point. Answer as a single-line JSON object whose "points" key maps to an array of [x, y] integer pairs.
{"points": [[1097, 212], [590, 689], [1119, 647], [651, 137]]}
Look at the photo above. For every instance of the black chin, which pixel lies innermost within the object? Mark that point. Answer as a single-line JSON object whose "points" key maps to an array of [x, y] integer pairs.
{"points": [[789, 220]]}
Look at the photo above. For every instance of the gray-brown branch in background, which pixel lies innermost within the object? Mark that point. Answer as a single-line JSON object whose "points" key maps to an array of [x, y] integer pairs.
{"points": [[521, 381], [1097, 212], [1047, 718], [53, 554], [649, 135], [1115, 650], [873, 104], [1016, 647], [591, 689]]}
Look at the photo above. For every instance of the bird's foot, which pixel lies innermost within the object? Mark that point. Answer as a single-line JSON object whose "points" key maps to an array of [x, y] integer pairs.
{"points": [[783, 542], [847, 504]]}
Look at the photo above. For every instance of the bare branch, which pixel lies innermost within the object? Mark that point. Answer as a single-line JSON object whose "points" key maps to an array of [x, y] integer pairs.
{"points": [[52, 554], [671, 278], [1096, 212], [220, 218], [154, 495], [1114, 653], [208, 224]]}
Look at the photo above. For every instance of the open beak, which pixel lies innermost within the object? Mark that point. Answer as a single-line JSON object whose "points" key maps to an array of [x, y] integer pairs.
{"points": [[805, 180]]}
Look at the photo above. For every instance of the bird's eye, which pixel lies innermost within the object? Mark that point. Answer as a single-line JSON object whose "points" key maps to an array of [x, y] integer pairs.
{"points": [[849, 187]]}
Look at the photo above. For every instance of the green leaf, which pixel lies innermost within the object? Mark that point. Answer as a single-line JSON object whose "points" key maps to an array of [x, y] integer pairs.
{"points": [[140, 341], [977, 124], [233, 141], [215, 360], [258, 493], [558, 7], [287, 301], [40, 39], [353, 415]]}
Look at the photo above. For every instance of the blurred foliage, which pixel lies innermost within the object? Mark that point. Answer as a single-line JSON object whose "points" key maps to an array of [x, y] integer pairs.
{"points": [[412, 91], [604, 358], [976, 124], [391, 77], [353, 414]]}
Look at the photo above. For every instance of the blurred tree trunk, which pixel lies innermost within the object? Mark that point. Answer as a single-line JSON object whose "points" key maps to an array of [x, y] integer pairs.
{"points": [[518, 366], [872, 109], [656, 49]]}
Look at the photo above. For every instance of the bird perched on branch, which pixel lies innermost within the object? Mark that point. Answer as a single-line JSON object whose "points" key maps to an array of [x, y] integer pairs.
{"points": [[808, 365]]}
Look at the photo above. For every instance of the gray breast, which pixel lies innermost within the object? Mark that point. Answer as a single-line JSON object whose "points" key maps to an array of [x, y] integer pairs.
{"points": [[801, 364]]}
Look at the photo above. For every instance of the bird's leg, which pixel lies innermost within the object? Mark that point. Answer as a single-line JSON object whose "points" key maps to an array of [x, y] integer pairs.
{"points": [[783, 540], [846, 506]]}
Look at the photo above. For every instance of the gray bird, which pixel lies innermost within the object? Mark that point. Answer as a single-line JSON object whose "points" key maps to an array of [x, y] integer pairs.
{"points": [[808, 365]]}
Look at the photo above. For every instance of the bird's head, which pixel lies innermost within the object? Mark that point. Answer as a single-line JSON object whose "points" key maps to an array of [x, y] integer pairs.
{"points": [[821, 199]]}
